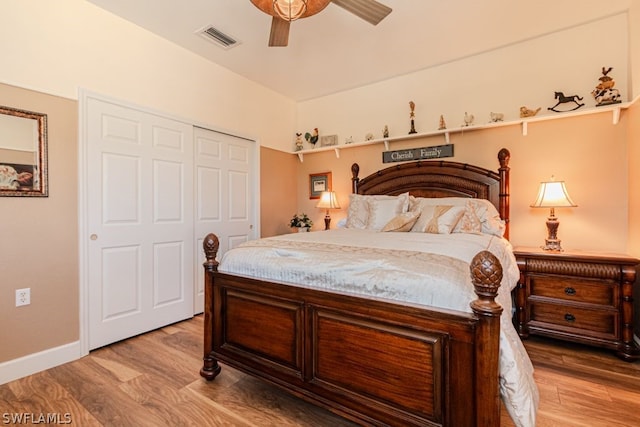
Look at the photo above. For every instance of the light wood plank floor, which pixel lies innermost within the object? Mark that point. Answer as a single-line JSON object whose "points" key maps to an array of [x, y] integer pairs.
{"points": [[153, 380]]}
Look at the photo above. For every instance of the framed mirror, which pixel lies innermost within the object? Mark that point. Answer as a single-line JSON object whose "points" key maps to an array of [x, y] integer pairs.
{"points": [[23, 153]]}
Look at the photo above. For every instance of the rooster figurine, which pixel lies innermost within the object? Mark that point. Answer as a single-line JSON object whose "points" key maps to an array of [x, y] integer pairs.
{"points": [[312, 137]]}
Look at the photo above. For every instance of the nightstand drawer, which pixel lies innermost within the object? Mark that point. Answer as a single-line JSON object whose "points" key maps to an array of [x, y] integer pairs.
{"points": [[562, 316], [574, 289]]}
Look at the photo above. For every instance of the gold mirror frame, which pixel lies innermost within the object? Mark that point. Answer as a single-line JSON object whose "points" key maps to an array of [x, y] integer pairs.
{"points": [[23, 153]]}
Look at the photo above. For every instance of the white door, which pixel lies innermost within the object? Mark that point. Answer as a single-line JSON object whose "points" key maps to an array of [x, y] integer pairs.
{"points": [[226, 194], [140, 221]]}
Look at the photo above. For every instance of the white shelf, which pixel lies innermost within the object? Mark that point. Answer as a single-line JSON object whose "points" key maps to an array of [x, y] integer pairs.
{"points": [[523, 122]]}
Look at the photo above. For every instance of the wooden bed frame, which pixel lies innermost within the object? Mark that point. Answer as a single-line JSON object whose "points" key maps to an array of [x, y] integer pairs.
{"points": [[370, 361]]}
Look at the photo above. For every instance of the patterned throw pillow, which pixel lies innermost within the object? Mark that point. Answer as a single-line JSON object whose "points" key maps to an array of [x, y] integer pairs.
{"points": [[358, 211], [402, 222], [469, 222], [440, 219], [486, 212]]}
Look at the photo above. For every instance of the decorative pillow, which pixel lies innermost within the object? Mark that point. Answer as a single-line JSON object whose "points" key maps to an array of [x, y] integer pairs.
{"points": [[438, 219], [402, 222], [484, 210], [469, 222], [381, 211]]}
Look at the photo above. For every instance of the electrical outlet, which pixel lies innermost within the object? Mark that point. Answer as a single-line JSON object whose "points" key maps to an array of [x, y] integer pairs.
{"points": [[23, 297]]}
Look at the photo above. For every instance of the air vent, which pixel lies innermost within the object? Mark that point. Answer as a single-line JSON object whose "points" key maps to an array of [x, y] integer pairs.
{"points": [[218, 37]]}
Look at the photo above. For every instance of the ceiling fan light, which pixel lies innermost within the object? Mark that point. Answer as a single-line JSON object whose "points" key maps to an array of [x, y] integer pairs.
{"points": [[289, 10]]}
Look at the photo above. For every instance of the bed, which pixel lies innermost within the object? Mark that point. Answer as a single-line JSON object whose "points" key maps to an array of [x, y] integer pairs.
{"points": [[355, 327]]}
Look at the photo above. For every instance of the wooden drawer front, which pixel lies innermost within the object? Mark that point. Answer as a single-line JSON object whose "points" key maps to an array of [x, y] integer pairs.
{"points": [[601, 322], [600, 292]]}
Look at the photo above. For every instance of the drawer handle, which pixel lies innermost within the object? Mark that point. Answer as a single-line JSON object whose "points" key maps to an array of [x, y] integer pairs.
{"points": [[570, 291], [569, 317]]}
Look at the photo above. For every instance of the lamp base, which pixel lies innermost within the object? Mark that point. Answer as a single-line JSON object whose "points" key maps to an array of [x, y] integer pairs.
{"points": [[552, 245], [327, 221]]}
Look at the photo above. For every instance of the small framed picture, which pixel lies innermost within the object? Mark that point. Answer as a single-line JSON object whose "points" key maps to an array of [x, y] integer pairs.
{"points": [[329, 140], [319, 182]]}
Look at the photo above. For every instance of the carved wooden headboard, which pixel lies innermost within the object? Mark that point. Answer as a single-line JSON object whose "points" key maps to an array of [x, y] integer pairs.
{"points": [[437, 178]]}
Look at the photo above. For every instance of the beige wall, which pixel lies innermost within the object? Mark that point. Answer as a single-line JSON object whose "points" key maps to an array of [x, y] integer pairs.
{"points": [[60, 46], [278, 191], [634, 48], [499, 80], [39, 247], [633, 153]]}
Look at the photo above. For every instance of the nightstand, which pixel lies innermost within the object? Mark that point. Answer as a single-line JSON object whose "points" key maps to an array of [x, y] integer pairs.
{"points": [[582, 297]]}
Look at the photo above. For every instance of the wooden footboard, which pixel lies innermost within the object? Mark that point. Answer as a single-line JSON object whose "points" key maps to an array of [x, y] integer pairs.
{"points": [[372, 361]]}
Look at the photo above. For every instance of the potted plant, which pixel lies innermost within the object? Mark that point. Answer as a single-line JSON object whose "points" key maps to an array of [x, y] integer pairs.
{"points": [[301, 222]]}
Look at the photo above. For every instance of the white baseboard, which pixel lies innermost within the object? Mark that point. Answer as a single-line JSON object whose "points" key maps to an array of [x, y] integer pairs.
{"points": [[36, 362]]}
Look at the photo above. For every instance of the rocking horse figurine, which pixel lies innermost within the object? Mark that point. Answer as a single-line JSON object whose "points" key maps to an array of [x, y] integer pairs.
{"points": [[562, 99]]}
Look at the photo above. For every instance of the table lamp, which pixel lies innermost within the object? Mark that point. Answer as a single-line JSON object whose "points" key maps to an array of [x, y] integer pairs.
{"points": [[328, 200], [552, 194]]}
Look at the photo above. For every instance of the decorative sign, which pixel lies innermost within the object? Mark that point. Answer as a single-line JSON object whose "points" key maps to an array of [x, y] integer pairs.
{"points": [[435, 152]]}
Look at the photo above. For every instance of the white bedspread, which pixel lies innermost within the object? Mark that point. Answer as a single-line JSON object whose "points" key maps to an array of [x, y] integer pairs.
{"points": [[420, 268]]}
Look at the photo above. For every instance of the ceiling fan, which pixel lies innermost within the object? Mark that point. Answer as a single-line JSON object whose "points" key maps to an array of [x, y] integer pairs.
{"points": [[285, 11]]}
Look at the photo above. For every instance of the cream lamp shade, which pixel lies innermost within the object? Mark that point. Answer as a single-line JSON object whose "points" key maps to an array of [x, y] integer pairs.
{"points": [[328, 200], [553, 194]]}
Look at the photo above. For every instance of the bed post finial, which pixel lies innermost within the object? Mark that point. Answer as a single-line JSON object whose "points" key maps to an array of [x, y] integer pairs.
{"points": [[486, 275], [355, 170], [211, 244], [210, 367], [504, 156]]}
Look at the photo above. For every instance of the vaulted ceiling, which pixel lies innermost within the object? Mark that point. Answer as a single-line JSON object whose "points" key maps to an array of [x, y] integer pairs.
{"points": [[335, 50]]}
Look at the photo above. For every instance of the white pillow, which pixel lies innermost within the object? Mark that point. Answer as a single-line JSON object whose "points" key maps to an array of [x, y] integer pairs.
{"points": [[382, 210], [358, 211], [438, 219]]}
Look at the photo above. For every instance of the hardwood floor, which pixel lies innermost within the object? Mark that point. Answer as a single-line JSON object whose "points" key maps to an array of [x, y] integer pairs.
{"points": [[153, 380]]}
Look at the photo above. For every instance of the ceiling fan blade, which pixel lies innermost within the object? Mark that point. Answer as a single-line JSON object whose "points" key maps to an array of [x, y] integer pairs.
{"points": [[369, 10], [279, 32]]}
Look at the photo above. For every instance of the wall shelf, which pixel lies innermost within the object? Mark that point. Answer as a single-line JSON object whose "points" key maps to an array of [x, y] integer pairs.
{"points": [[523, 122]]}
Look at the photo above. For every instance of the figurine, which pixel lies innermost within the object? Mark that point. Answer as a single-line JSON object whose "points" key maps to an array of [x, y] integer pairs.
{"points": [[312, 137], [349, 140], [412, 116], [468, 119], [604, 93], [562, 99], [368, 137], [526, 112], [385, 132], [442, 125], [299, 145], [496, 117]]}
